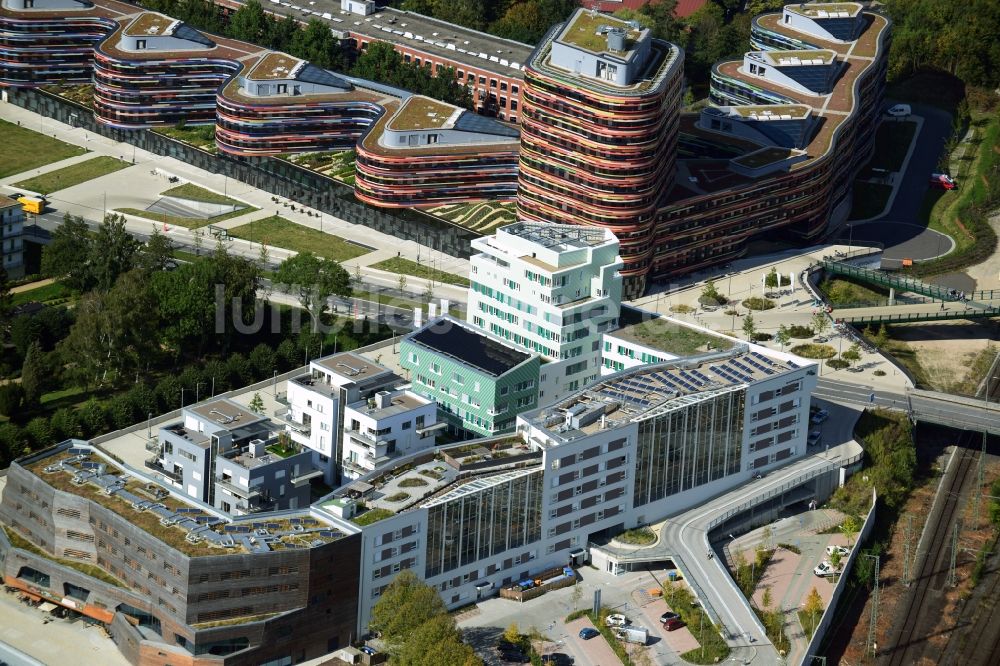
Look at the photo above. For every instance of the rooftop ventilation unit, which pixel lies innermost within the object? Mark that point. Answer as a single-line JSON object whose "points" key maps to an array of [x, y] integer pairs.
{"points": [[351, 371]]}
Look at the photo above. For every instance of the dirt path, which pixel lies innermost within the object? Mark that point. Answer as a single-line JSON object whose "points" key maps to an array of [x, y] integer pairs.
{"points": [[32, 285]]}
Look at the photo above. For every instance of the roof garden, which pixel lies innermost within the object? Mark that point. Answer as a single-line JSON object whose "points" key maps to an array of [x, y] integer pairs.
{"points": [[151, 24], [671, 337], [773, 111], [801, 57], [422, 113], [763, 157], [586, 31], [192, 529], [825, 9], [274, 66]]}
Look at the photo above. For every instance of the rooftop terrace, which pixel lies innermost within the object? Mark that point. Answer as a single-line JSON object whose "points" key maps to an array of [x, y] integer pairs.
{"points": [[423, 113], [825, 9], [772, 111], [190, 528], [667, 335], [151, 24], [586, 30], [226, 414], [275, 66]]}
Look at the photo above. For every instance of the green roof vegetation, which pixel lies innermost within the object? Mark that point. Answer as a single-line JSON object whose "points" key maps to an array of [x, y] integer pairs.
{"points": [[372, 516], [421, 113], [91, 570], [233, 620], [74, 174], [673, 338], [583, 32], [24, 149], [763, 157]]}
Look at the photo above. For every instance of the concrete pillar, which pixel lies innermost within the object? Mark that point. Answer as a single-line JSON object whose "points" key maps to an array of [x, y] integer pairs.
{"points": [[444, 306], [892, 295], [791, 278], [432, 310], [418, 317]]}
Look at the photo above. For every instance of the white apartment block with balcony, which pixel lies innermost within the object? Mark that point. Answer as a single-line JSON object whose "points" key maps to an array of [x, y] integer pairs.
{"points": [[390, 424], [11, 243], [551, 290], [316, 402]]}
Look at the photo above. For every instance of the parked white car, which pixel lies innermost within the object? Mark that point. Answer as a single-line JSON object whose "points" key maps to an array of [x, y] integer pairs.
{"points": [[899, 110], [844, 552], [616, 620], [824, 569]]}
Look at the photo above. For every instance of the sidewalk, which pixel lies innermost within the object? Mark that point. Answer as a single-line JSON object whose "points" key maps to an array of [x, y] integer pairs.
{"points": [[142, 190]]}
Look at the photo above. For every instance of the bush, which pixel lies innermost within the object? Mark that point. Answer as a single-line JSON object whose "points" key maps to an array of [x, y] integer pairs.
{"points": [[792, 548], [762, 337], [93, 420], [65, 424], [11, 400], [837, 363], [879, 373], [814, 351], [640, 536], [800, 331], [681, 308], [758, 303]]}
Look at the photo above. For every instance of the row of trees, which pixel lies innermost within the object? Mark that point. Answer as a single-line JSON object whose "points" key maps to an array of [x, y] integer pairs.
{"points": [[313, 42]]}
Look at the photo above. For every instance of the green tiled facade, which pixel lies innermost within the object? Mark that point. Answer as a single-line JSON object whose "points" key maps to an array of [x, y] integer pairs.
{"points": [[468, 398]]}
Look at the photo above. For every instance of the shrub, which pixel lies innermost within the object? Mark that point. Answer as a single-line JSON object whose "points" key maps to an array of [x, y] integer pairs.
{"points": [[758, 303], [681, 308], [762, 337], [814, 351], [837, 363], [879, 373], [800, 331], [412, 482], [398, 497], [11, 399]]}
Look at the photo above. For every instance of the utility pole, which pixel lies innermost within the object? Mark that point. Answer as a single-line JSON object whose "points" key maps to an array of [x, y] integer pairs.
{"points": [[873, 623]]}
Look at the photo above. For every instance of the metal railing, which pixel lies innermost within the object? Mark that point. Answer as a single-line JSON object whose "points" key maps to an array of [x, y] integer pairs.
{"points": [[905, 317]]}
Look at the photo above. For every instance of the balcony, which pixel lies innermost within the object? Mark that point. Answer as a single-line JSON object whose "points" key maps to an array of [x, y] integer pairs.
{"points": [[364, 438], [157, 466], [238, 490]]}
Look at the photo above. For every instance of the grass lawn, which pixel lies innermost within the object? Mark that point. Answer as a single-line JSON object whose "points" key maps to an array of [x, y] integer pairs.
{"points": [[187, 222], [72, 175], [674, 338], [841, 292], [279, 232], [199, 136], [869, 200], [24, 149], [408, 267], [812, 350], [891, 143], [195, 193], [43, 294]]}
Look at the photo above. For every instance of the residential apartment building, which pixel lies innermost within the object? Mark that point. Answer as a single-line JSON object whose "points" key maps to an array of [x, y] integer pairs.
{"points": [[316, 403], [480, 381], [232, 459], [550, 290], [11, 241], [386, 426]]}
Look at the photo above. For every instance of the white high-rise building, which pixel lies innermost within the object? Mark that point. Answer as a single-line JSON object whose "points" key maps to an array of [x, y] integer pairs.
{"points": [[551, 290]]}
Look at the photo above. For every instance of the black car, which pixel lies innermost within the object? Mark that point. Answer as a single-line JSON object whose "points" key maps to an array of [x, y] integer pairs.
{"points": [[666, 617], [514, 656], [503, 645], [557, 659]]}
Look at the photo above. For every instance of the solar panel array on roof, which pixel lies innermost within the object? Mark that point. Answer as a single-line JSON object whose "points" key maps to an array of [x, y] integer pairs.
{"points": [[79, 452]]}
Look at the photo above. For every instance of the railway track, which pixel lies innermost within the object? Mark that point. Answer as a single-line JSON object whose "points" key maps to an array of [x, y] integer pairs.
{"points": [[908, 642]]}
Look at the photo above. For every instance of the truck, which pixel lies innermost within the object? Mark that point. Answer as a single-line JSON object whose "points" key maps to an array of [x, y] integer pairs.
{"points": [[34, 205], [633, 634]]}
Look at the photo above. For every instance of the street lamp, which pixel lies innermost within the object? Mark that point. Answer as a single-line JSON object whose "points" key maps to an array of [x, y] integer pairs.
{"points": [[197, 392], [149, 432]]}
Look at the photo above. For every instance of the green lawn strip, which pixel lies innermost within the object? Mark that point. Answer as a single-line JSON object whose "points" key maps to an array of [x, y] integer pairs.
{"points": [[199, 136], [63, 395], [24, 149], [44, 294], [279, 232], [869, 200], [74, 174], [408, 267], [187, 222], [195, 193], [841, 292]]}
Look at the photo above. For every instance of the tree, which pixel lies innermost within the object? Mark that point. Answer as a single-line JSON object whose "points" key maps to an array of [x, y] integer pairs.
{"points": [[39, 433], [65, 424], [401, 280], [813, 603], [157, 253], [249, 23], [93, 419], [317, 44], [512, 633], [113, 252], [316, 280], [881, 338], [835, 558], [849, 527], [406, 604], [11, 400], [771, 280], [820, 322], [749, 327], [6, 302], [67, 257], [199, 241], [263, 360], [36, 375], [256, 404], [853, 354], [783, 336], [765, 599], [710, 295], [436, 641]]}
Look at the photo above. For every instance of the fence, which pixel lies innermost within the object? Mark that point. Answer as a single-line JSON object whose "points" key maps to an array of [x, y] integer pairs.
{"points": [[827, 618], [272, 175]]}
